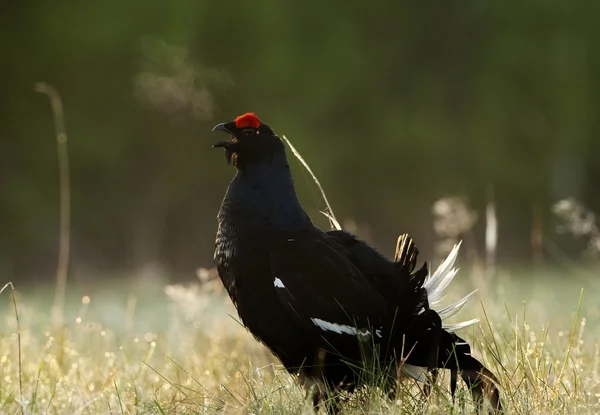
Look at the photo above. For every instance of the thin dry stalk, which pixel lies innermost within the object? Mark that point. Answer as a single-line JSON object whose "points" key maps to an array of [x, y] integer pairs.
{"points": [[329, 213], [21, 403], [65, 200]]}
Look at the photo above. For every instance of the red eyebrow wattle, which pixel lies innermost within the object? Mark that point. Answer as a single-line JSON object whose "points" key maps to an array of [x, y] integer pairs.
{"points": [[247, 120]]}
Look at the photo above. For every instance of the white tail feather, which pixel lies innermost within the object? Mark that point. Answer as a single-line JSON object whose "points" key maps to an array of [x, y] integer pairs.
{"points": [[457, 326], [454, 308], [440, 274], [437, 283], [435, 295]]}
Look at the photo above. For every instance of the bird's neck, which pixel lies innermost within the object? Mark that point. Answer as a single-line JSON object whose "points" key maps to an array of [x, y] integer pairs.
{"points": [[262, 197]]}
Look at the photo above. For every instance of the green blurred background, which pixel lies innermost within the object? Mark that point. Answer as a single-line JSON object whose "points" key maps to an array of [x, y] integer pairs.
{"points": [[394, 104]]}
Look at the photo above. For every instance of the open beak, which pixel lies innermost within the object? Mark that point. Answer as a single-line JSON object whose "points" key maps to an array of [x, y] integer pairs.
{"points": [[225, 127], [229, 149], [222, 127], [229, 146]]}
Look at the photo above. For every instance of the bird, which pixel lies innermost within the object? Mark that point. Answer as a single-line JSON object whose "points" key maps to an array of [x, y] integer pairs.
{"points": [[325, 303]]}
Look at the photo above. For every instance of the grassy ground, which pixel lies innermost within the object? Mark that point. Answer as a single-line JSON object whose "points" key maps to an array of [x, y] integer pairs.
{"points": [[178, 350]]}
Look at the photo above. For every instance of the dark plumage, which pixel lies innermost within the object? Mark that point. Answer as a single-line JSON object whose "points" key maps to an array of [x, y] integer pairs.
{"points": [[323, 302]]}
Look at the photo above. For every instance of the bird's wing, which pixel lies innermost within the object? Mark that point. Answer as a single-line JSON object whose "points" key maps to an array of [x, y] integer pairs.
{"points": [[324, 290], [370, 261], [397, 281]]}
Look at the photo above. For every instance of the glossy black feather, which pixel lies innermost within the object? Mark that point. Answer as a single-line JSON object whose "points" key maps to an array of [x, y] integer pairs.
{"points": [[321, 282], [318, 299]]}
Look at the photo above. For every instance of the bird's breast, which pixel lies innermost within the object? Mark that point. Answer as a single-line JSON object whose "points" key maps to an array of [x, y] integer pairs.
{"points": [[225, 247]]}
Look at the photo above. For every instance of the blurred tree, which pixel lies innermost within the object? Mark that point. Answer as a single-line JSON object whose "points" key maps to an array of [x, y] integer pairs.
{"points": [[394, 104]]}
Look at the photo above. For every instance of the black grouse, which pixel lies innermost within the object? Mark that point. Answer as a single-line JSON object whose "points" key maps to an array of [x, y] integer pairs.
{"points": [[323, 302]]}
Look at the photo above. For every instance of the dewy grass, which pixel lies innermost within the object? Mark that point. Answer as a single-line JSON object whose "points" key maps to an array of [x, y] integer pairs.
{"points": [[168, 361], [19, 350], [146, 354]]}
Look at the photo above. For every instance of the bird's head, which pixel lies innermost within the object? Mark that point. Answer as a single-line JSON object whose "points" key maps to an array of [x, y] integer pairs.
{"points": [[251, 140]]}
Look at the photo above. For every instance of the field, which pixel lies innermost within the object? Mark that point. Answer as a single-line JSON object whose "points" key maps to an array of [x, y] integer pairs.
{"points": [[144, 347]]}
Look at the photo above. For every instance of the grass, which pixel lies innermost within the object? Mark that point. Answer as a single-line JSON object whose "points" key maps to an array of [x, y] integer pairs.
{"points": [[147, 349], [156, 349]]}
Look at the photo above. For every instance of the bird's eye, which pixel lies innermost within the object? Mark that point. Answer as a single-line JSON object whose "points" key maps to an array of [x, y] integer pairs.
{"points": [[249, 131]]}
